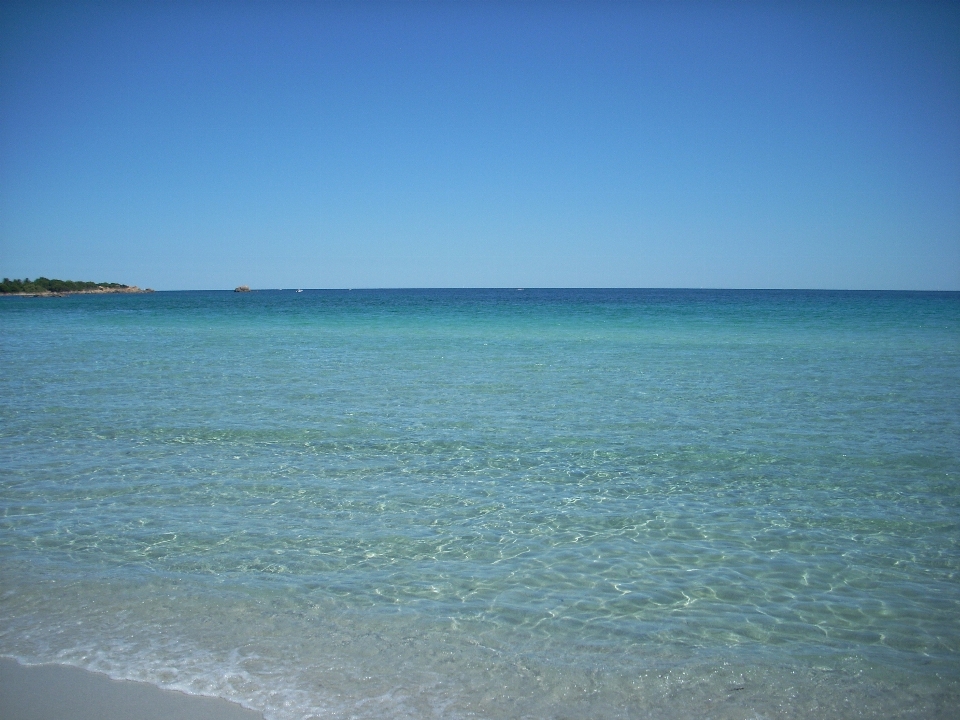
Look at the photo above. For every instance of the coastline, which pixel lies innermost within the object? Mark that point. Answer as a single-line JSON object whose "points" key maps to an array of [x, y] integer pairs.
{"points": [[62, 692], [131, 289]]}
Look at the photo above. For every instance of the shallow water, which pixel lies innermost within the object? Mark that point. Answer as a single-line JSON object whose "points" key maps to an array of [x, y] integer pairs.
{"points": [[499, 504]]}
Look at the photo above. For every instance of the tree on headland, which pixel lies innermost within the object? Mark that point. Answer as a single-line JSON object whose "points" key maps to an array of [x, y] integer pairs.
{"points": [[46, 285]]}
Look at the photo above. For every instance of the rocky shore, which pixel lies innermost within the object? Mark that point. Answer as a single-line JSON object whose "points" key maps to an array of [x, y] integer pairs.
{"points": [[92, 291]]}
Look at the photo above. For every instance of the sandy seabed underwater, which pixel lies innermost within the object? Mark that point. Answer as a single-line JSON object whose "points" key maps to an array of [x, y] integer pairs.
{"points": [[490, 503]]}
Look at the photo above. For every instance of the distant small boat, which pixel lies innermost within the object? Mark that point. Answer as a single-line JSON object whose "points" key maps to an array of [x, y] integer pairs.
{"points": [[299, 290]]}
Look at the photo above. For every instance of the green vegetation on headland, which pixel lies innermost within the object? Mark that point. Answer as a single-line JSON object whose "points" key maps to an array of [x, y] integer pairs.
{"points": [[43, 286]]}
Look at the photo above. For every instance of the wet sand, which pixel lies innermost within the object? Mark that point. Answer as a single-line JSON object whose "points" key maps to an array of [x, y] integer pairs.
{"points": [[59, 692]]}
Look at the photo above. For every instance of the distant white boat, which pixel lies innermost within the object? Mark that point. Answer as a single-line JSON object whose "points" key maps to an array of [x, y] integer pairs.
{"points": [[299, 290]]}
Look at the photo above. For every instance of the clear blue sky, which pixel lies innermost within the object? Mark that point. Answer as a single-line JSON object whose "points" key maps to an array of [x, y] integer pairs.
{"points": [[189, 145]]}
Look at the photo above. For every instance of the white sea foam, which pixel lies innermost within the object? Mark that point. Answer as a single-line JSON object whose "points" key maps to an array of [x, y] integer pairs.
{"points": [[328, 662]]}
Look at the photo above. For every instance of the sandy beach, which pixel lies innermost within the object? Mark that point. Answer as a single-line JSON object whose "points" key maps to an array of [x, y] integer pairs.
{"points": [[58, 692]]}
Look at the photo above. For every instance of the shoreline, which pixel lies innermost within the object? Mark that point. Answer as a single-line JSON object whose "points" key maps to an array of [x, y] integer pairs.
{"points": [[132, 289], [66, 692]]}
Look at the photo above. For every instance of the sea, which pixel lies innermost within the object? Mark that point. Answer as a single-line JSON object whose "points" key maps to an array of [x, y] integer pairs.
{"points": [[503, 504]]}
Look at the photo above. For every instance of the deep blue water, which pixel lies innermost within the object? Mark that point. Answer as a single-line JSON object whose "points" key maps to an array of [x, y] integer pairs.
{"points": [[490, 503]]}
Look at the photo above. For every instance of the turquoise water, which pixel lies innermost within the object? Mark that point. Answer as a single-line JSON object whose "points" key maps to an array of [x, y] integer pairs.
{"points": [[490, 504]]}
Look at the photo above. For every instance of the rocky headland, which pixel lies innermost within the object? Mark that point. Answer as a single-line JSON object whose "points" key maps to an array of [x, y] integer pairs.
{"points": [[45, 287]]}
